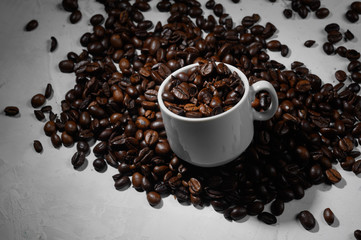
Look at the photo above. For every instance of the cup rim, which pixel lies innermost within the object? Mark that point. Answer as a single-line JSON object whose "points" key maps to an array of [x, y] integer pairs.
{"points": [[202, 119]]}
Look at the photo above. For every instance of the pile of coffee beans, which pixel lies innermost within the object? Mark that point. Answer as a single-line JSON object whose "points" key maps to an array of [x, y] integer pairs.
{"points": [[203, 91], [316, 126]]}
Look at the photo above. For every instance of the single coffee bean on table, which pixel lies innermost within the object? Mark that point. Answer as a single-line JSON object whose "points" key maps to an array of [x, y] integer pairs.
{"points": [[38, 146], [328, 216], [53, 44], [309, 43], [307, 219], [357, 234], [11, 111], [38, 100], [31, 25]]}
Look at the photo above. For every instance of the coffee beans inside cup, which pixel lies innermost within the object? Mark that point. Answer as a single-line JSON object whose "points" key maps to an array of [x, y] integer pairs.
{"points": [[203, 91]]}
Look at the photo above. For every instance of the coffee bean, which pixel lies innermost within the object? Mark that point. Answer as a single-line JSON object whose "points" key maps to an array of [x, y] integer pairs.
{"points": [[356, 167], [82, 146], [31, 25], [48, 90], [267, 218], [11, 111], [322, 13], [352, 16], [349, 35], [328, 48], [137, 179], [67, 139], [340, 75], [334, 37], [99, 164], [55, 140], [238, 213], [255, 208], [38, 100], [75, 17], [333, 175], [277, 207], [66, 66], [328, 216], [97, 19], [122, 183], [309, 43], [306, 219], [38, 146], [153, 198], [287, 13], [78, 160], [357, 234], [70, 5], [356, 6]]}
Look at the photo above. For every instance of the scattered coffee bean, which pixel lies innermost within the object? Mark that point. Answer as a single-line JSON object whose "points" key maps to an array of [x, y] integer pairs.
{"points": [[328, 216], [357, 234], [11, 111], [356, 167], [53, 44], [267, 218], [328, 48], [153, 198], [333, 175], [322, 13], [70, 5], [307, 220], [75, 17], [55, 140], [38, 100], [356, 6], [31, 25], [309, 43], [48, 91], [349, 35], [39, 115], [287, 13], [352, 16], [99, 164], [341, 75], [38, 146]]}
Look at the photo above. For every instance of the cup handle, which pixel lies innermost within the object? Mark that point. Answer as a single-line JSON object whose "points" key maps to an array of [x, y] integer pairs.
{"points": [[266, 86]]}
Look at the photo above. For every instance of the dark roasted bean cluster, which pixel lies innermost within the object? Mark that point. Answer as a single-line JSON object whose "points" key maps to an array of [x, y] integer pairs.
{"points": [[205, 90], [316, 125]]}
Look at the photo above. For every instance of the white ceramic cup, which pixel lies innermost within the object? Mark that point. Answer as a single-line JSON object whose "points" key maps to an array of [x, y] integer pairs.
{"points": [[219, 139]]}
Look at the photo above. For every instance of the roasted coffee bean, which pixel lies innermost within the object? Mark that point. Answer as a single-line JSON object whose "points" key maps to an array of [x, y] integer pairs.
{"points": [[39, 115], [352, 16], [11, 111], [50, 128], [341, 75], [38, 100], [31, 25], [137, 179], [75, 16], [356, 167], [78, 160], [309, 43], [122, 183], [267, 218], [55, 140], [153, 198], [53, 44], [333, 175], [307, 220], [349, 35], [48, 90], [99, 164], [97, 19], [277, 207], [322, 13], [287, 13], [67, 139], [328, 48], [38, 146], [82, 146], [357, 234], [255, 208], [70, 5], [66, 66], [356, 6], [328, 216]]}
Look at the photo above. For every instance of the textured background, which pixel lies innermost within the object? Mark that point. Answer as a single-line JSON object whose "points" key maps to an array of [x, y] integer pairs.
{"points": [[43, 197]]}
